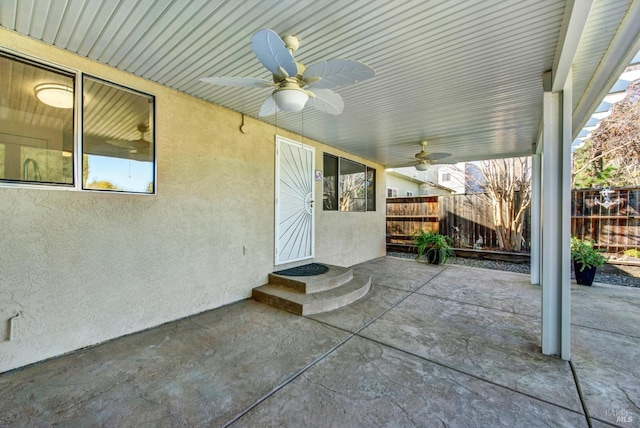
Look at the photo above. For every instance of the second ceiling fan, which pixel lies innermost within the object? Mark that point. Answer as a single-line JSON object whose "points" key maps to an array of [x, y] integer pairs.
{"points": [[424, 159]]}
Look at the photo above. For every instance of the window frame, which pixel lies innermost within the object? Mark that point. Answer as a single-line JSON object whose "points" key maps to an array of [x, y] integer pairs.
{"points": [[78, 110], [80, 135], [366, 170], [54, 68]]}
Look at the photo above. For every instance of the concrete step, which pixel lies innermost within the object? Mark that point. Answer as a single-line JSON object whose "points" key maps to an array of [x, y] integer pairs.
{"points": [[335, 277], [284, 297]]}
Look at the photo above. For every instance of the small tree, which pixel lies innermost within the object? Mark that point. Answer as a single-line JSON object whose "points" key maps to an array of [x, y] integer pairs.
{"points": [[352, 188], [507, 187], [611, 156]]}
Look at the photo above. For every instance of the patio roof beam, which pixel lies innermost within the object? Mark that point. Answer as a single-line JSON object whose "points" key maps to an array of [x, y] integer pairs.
{"points": [[573, 24], [623, 48]]}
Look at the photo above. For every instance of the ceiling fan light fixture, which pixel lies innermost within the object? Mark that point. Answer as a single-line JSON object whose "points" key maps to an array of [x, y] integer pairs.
{"points": [[55, 95], [290, 99], [422, 166]]}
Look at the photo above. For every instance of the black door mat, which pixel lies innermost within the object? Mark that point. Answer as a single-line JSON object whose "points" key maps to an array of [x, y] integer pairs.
{"points": [[305, 270]]}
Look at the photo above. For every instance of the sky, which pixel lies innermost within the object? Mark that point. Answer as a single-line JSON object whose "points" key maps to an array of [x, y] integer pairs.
{"points": [[128, 174]]}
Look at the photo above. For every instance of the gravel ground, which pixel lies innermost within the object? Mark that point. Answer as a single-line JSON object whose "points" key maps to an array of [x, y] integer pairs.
{"points": [[606, 278]]}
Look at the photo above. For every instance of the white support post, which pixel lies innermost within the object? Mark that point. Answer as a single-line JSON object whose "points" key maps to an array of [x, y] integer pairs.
{"points": [[565, 235], [556, 168], [536, 217]]}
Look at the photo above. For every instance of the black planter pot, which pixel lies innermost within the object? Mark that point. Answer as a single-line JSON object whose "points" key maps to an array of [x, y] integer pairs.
{"points": [[436, 257], [586, 276]]}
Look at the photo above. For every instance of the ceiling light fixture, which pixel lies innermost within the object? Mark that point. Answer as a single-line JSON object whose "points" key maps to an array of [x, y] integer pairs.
{"points": [[55, 95], [290, 99], [422, 165]]}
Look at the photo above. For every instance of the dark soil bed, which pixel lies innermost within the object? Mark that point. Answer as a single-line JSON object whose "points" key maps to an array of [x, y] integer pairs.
{"points": [[605, 276]]}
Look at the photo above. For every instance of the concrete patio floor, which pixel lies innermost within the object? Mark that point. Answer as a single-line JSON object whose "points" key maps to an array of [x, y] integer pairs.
{"points": [[427, 346]]}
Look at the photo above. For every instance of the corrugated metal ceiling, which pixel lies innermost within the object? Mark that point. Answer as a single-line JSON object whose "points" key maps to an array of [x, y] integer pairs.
{"points": [[465, 75]]}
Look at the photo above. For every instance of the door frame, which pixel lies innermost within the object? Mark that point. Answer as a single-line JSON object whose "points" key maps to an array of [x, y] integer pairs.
{"points": [[277, 250]]}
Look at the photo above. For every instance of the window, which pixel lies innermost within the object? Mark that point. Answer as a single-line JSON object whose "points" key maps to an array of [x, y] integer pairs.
{"points": [[330, 183], [392, 192], [347, 185], [38, 135], [351, 186], [409, 193], [118, 148], [446, 176], [371, 189]]}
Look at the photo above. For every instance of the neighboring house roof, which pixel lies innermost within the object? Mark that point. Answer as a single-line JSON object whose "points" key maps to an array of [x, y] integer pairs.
{"points": [[418, 181]]}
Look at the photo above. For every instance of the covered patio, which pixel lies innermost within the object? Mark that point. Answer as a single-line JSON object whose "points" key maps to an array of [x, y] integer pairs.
{"points": [[130, 308], [428, 346]]}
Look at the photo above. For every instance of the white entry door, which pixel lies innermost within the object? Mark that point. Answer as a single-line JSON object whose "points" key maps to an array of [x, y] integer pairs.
{"points": [[295, 216]]}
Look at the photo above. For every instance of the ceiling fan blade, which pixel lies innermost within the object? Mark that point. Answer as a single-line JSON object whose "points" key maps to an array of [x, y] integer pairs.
{"points": [[245, 82], [123, 144], [405, 164], [140, 144], [269, 107], [336, 72], [142, 156], [326, 101], [443, 162], [436, 156], [272, 53]]}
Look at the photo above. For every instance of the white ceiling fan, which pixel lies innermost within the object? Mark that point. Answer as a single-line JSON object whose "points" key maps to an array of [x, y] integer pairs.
{"points": [[295, 85], [424, 158]]}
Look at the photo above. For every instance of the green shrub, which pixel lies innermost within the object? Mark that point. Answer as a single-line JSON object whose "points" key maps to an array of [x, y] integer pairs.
{"points": [[632, 252], [584, 253], [430, 244]]}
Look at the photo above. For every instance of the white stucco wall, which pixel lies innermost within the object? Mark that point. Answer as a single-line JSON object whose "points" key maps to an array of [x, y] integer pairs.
{"points": [[87, 267]]}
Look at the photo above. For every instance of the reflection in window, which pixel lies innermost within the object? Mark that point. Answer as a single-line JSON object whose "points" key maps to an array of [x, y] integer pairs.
{"points": [[348, 185], [36, 123], [330, 183], [371, 189], [352, 186], [118, 139]]}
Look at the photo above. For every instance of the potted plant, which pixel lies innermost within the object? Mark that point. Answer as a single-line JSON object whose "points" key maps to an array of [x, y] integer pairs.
{"points": [[435, 247], [586, 260]]}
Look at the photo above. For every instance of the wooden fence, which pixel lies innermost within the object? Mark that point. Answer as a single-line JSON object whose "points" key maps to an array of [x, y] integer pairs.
{"points": [[615, 228], [468, 219]]}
